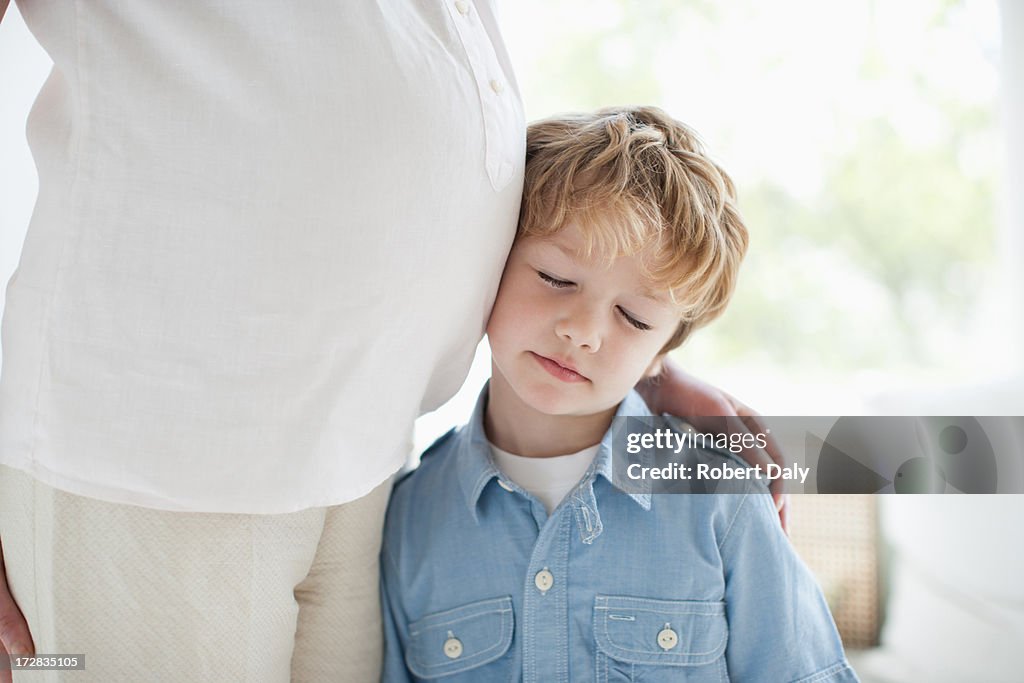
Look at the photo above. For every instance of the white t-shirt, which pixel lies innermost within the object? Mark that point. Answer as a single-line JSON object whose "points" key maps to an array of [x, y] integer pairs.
{"points": [[268, 237], [547, 479]]}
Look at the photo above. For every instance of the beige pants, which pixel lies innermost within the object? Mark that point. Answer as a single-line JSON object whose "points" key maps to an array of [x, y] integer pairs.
{"points": [[148, 595]]}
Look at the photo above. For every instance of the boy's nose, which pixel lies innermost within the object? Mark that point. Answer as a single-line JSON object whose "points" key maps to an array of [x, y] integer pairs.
{"points": [[582, 328]]}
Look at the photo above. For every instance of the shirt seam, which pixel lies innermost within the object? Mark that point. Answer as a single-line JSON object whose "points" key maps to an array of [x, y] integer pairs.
{"points": [[732, 522]]}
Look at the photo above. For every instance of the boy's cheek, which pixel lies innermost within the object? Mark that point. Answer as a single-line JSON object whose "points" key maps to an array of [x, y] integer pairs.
{"points": [[500, 308], [514, 307], [503, 322]]}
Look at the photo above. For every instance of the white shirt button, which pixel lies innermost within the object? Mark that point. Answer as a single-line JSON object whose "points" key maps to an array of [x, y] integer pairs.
{"points": [[544, 580], [505, 486], [462, 6], [667, 638], [497, 86], [453, 648]]}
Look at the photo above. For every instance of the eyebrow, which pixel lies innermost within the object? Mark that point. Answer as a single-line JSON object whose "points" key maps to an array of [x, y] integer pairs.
{"points": [[657, 297], [568, 251]]}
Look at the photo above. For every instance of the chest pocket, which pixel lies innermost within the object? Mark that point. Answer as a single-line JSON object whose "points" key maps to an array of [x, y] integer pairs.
{"points": [[639, 639], [463, 639]]}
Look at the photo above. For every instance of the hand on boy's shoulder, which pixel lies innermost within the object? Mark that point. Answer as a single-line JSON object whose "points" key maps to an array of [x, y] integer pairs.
{"points": [[715, 453], [712, 410], [715, 446]]}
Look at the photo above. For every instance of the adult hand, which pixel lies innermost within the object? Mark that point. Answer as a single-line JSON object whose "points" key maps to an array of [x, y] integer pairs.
{"points": [[712, 410], [14, 635]]}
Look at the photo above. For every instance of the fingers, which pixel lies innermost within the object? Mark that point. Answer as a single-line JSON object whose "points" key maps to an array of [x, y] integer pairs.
{"points": [[15, 638], [749, 421], [714, 411], [755, 424], [745, 425], [782, 505]]}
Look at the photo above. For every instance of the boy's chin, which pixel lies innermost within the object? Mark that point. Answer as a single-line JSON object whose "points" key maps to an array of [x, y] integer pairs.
{"points": [[559, 401]]}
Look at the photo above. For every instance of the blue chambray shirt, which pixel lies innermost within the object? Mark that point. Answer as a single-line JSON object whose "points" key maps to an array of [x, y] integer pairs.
{"points": [[480, 584]]}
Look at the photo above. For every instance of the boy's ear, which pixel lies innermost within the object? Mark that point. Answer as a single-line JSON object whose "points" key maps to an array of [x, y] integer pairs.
{"points": [[656, 366]]}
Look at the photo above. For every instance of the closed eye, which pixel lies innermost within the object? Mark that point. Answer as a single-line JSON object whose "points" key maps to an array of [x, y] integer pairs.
{"points": [[633, 321], [553, 281]]}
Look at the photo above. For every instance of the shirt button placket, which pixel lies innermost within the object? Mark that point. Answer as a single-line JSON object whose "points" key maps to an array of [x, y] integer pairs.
{"points": [[545, 604]]}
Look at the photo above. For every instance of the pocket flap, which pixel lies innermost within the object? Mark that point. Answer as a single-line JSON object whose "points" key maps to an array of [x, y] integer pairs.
{"points": [[460, 639], [674, 632]]}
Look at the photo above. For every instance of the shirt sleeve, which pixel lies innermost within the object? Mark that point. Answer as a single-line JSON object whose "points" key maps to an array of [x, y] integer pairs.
{"points": [[780, 627], [395, 626]]}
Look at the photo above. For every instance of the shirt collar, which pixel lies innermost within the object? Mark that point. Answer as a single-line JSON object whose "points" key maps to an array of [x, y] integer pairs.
{"points": [[476, 466], [632, 406]]}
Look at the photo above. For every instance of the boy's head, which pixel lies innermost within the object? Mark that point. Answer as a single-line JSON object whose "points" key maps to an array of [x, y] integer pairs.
{"points": [[629, 239]]}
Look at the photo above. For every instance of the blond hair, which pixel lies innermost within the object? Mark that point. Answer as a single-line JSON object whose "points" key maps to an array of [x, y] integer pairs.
{"points": [[633, 177]]}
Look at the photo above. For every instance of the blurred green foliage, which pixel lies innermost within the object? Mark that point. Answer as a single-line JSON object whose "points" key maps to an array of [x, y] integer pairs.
{"points": [[884, 262]]}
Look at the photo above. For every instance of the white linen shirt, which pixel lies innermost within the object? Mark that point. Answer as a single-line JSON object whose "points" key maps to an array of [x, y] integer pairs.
{"points": [[268, 236]]}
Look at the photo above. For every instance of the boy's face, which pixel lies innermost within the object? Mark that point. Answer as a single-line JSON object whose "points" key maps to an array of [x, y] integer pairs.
{"points": [[571, 336]]}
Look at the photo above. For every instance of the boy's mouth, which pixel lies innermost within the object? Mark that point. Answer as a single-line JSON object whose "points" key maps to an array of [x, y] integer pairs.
{"points": [[559, 369]]}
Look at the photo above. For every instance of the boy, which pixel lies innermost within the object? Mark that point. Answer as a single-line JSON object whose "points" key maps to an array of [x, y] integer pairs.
{"points": [[512, 552]]}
